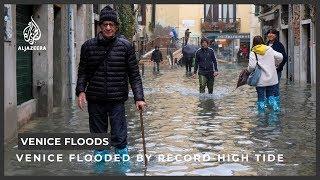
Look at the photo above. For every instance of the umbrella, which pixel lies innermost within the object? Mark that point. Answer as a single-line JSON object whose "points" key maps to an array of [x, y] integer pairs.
{"points": [[189, 50]]}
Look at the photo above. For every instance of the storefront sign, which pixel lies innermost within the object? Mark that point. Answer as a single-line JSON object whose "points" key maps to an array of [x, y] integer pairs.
{"points": [[234, 36]]}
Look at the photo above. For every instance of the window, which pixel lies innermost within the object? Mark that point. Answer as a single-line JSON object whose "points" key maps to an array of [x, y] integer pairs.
{"points": [[231, 12], [224, 11], [96, 8], [220, 11]]}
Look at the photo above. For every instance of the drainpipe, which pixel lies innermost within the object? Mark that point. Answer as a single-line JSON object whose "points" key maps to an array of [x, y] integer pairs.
{"points": [[290, 44], [92, 21], [153, 17], [71, 55]]}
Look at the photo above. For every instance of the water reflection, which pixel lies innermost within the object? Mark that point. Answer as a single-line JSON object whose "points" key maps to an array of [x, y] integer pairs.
{"points": [[179, 120], [206, 107]]}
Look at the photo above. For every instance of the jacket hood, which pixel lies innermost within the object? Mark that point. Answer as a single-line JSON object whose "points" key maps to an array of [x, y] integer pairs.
{"points": [[260, 49]]}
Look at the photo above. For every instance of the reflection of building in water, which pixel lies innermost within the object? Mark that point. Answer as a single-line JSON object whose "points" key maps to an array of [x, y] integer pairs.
{"points": [[227, 25]]}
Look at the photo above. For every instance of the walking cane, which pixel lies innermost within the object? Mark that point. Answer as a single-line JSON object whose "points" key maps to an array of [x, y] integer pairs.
{"points": [[143, 140]]}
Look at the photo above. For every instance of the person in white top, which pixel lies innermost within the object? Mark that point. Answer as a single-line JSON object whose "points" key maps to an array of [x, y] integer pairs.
{"points": [[267, 59]]}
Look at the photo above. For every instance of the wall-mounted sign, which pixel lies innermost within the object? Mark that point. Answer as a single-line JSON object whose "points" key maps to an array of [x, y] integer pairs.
{"points": [[216, 35], [188, 23]]}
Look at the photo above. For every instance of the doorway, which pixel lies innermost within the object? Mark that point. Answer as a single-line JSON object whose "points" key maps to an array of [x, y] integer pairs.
{"points": [[306, 38], [24, 67], [284, 40], [57, 58]]}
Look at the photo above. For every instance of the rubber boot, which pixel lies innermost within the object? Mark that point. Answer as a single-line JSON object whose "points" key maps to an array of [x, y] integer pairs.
{"points": [[124, 165], [261, 105], [100, 167], [102, 153], [122, 152], [273, 103], [277, 98], [266, 104]]}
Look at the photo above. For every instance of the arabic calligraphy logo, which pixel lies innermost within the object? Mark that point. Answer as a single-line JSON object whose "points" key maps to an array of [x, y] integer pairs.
{"points": [[32, 32]]}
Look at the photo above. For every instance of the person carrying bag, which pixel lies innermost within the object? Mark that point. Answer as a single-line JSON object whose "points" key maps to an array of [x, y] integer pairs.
{"points": [[254, 75], [263, 74]]}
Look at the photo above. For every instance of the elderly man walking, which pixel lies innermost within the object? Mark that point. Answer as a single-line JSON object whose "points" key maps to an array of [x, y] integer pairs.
{"points": [[107, 64]]}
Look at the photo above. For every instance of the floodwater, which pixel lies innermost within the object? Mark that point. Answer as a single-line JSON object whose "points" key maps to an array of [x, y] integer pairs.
{"points": [[183, 123]]}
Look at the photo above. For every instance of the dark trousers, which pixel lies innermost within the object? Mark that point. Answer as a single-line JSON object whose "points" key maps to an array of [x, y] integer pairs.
{"points": [[265, 92], [277, 87], [156, 66], [206, 81], [188, 65], [99, 113]]}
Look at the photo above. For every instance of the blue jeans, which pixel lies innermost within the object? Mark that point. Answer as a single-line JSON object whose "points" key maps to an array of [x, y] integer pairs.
{"points": [[277, 88], [99, 112], [265, 92]]}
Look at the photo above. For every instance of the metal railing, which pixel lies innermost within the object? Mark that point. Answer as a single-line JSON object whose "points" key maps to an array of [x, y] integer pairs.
{"points": [[162, 42], [192, 40]]}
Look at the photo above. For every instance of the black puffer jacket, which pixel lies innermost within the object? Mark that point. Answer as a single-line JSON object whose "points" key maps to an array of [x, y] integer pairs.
{"points": [[278, 46], [107, 80], [156, 56]]}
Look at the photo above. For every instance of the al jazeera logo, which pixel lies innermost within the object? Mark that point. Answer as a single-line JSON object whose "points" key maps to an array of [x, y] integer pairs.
{"points": [[31, 34]]}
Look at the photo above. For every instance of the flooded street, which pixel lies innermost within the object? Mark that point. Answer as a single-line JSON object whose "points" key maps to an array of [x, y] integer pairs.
{"points": [[179, 120]]}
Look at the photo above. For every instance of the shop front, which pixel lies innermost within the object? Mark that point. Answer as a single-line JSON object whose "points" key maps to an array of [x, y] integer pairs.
{"points": [[229, 46]]}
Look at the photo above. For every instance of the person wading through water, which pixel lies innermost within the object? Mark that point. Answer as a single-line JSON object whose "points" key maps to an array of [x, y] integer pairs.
{"points": [[206, 66], [267, 59], [107, 64], [156, 57], [277, 46]]}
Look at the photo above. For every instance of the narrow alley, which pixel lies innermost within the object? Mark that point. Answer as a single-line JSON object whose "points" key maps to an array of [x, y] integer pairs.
{"points": [[179, 120]]}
